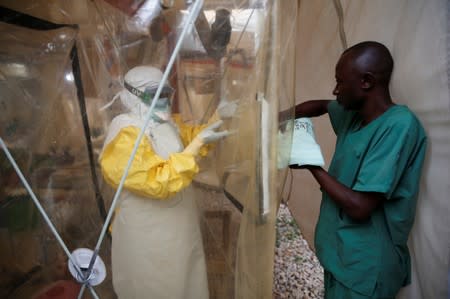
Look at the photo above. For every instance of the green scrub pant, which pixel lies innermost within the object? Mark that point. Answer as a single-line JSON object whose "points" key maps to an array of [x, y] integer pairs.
{"points": [[336, 290]]}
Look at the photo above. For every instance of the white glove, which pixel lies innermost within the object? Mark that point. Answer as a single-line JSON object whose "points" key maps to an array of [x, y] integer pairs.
{"points": [[227, 109], [207, 135], [305, 150]]}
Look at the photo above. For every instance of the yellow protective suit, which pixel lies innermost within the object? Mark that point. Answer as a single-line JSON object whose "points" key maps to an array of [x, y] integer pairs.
{"points": [[157, 249]]}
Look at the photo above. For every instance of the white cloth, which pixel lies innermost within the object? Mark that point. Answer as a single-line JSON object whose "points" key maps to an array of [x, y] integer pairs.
{"points": [[305, 150], [157, 249]]}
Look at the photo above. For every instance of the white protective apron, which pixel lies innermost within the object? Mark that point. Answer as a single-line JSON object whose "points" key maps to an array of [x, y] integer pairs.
{"points": [[157, 249]]}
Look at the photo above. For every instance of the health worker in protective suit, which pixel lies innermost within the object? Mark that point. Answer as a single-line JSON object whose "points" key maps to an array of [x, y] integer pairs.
{"points": [[157, 249]]}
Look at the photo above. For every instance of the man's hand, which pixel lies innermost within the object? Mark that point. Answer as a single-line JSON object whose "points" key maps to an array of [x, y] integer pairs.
{"points": [[207, 135], [296, 166]]}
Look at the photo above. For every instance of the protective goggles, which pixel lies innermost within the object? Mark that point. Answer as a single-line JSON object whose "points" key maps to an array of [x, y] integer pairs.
{"points": [[149, 93]]}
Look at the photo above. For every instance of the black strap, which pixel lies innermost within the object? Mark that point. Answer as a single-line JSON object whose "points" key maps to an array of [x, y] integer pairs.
{"points": [[23, 20], [147, 97]]}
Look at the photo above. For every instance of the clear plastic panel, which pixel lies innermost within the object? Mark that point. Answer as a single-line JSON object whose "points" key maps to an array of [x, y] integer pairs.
{"points": [[43, 129], [239, 51]]}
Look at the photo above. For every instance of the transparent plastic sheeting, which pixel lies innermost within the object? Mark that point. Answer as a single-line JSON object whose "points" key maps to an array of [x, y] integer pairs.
{"points": [[54, 79]]}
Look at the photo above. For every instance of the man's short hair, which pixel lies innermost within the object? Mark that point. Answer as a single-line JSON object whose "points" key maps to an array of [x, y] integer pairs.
{"points": [[374, 57]]}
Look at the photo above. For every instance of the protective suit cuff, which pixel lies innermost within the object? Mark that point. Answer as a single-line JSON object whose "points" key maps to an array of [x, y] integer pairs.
{"points": [[184, 163]]}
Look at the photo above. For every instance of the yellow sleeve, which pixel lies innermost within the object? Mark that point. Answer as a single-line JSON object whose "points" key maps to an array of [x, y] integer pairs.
{"points": [[188, 133], [149, 175]]}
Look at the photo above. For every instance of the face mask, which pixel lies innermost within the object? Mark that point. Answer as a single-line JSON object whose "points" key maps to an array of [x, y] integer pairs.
{"points": [[160, 114], [162, 110]]}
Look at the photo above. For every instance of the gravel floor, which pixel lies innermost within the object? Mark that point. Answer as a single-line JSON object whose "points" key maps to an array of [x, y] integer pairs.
{"points": [[297, 272]]}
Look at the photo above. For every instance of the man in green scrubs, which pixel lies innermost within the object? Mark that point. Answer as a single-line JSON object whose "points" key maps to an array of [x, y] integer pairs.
{"points": [[370, 189]]}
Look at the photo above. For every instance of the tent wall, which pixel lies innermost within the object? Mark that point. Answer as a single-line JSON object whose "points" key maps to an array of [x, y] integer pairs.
{"points": [[417, 33]]}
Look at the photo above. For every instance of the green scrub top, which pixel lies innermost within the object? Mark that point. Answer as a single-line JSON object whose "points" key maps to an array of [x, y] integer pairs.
{"points": [[385, 156]]}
